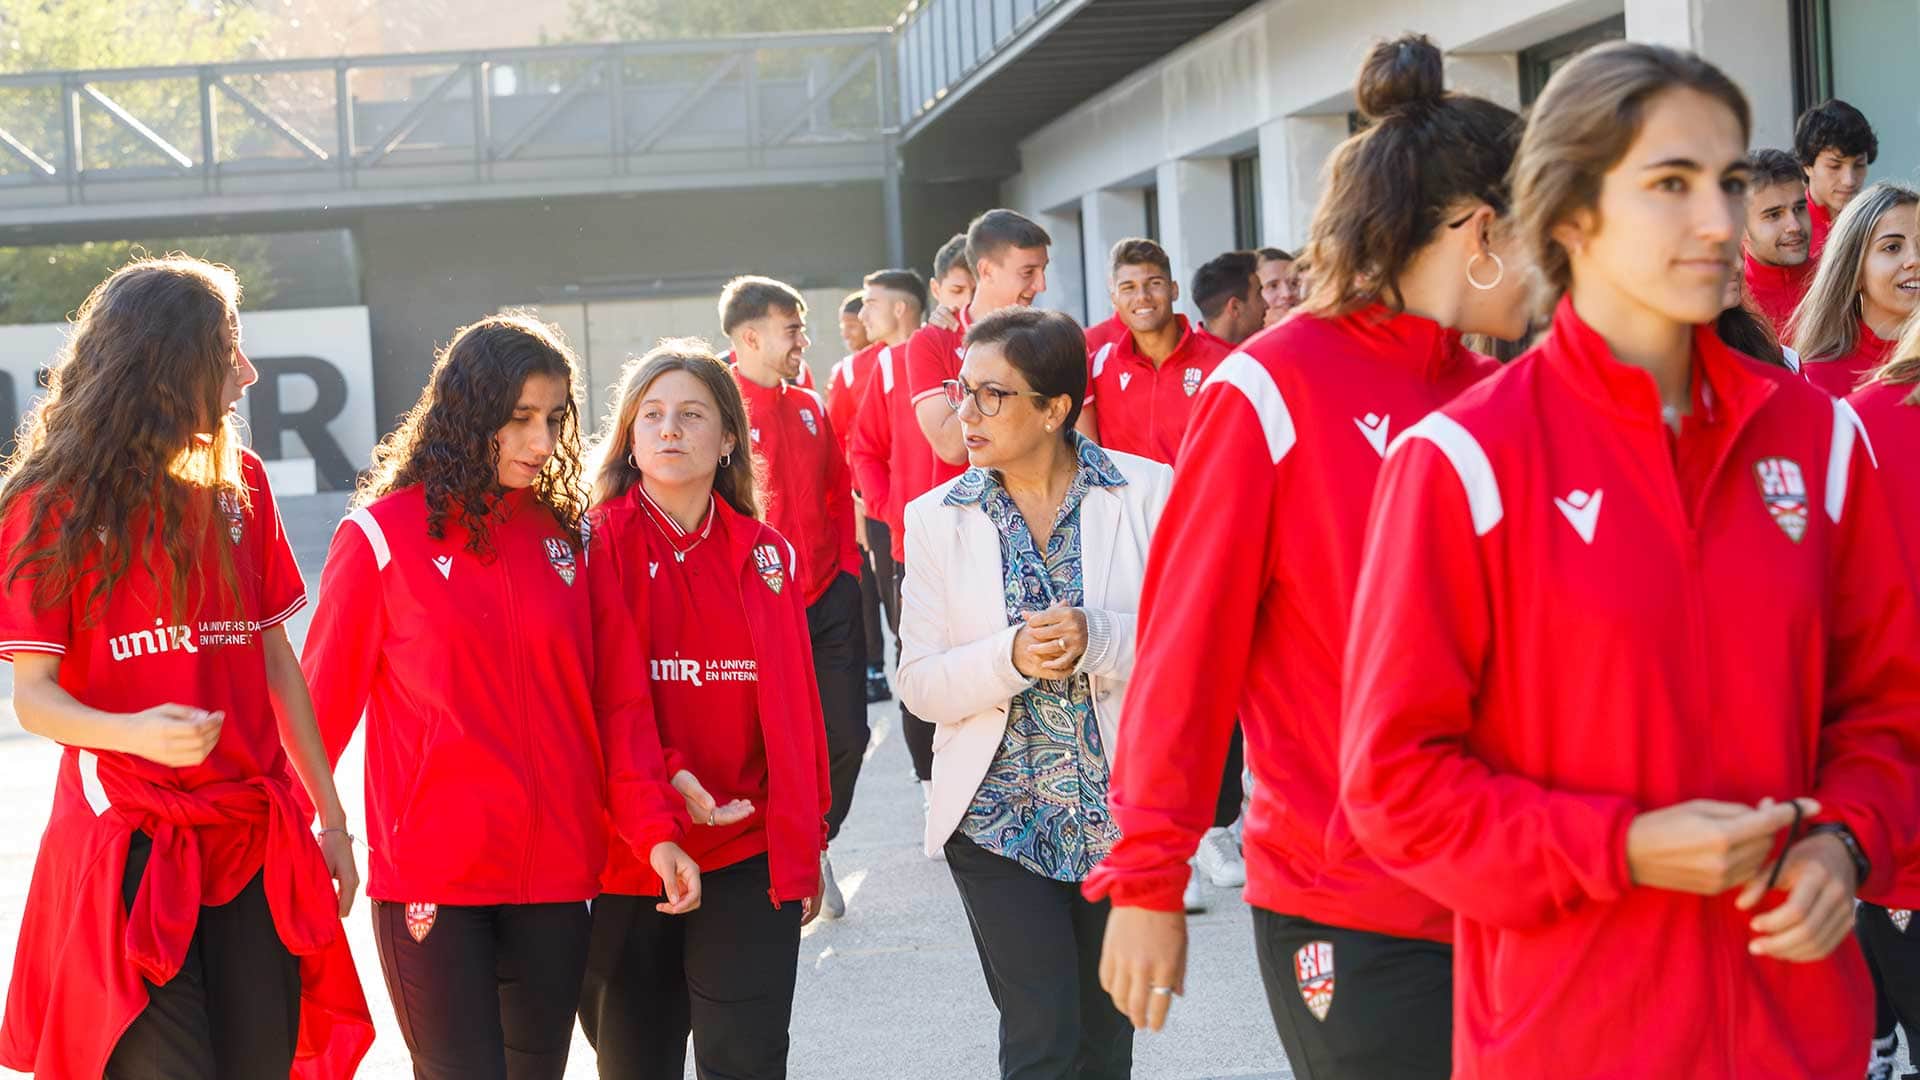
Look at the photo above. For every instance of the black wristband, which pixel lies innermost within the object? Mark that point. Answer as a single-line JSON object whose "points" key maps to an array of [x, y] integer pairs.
{"points": [[1861, 865]]}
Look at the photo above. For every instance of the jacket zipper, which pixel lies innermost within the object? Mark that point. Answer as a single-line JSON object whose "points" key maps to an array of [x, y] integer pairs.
{"points": [[519, 704]]}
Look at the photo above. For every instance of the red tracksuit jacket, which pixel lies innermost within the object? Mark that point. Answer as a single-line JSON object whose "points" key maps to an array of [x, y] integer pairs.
{"points": [[1566, 616], [846, 389], [1821, 222], [881, 458], [77, 975], [507, 711], [683, 646], [1143, 409], [1842, 376], [807, 489], [1108, 331], [1289, 433], [1777, 290]]}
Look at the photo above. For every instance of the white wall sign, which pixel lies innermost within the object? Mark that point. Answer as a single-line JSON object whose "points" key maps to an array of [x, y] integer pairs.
{"points": [[313, 403]]}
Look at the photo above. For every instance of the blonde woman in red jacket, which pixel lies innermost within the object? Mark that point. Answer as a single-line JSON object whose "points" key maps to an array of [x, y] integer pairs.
{"points": [[506, 724], [678, 525], [1633, 680]]}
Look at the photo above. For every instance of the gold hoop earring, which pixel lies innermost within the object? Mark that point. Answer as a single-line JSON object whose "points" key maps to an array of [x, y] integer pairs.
{"points": [[1499, 271]]}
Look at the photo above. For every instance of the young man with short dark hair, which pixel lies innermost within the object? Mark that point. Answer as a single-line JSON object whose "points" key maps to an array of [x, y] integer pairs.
{"points": [[1835, 144], [1145, 382], [1230, 295], [1279, 282], [808, 494], [951, 287], [853, 334], [1007, 253], [1778, 237]]}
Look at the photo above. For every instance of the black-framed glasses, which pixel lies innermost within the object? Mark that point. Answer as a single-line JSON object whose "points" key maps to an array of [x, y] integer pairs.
{"points": [[987, 399]]}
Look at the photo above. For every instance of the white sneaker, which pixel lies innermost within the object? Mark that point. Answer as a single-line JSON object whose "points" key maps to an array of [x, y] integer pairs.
{"points": [[833, 904], [1884, 1058], [1219, 858], [926, 812], [1194, 899]]}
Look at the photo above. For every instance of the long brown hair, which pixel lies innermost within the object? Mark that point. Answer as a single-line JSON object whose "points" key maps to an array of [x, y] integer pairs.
{"points": [[117, 450], [446, 441], [614, 473], [1389, 188], [1585, 121], [1826, 325]]}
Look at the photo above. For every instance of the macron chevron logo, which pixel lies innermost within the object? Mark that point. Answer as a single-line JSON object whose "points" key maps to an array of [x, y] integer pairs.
{"points": [[1375, 429], [1582, 511], [444, 564]]}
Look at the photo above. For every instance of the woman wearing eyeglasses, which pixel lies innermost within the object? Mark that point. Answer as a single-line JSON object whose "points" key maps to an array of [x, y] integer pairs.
{"points": [[1017, 625]]}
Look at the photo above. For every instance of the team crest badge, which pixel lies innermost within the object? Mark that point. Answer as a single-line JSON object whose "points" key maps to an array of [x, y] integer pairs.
{"points": [[1190, 379], [230, 507], [1784, 489], [806, 417], [767, 558], [420, 920], [1901, 917], [560, 557], [1313, 970]]}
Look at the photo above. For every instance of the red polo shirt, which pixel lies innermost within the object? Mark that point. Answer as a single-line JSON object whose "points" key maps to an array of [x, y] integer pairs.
{"points": [[1821, 220], [1144, 408], [1106, 332], [805, 486], [933, 356], [847, 388]]}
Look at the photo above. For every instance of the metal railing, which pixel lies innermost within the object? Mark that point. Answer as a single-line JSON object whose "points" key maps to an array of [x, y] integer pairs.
{"points": [[944, 41], [778, 105]]}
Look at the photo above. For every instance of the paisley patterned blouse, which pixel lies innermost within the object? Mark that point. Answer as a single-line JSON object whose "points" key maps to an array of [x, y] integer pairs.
{"points": [[1043, 802]]}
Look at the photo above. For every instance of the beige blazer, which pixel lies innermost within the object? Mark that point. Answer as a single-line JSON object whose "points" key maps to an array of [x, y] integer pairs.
{"points": [[956, 659]]}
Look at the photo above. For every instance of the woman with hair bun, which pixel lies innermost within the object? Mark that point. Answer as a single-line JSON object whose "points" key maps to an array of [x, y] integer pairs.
{"points": [[508, 723], [1411, 248], [1633, 681]]}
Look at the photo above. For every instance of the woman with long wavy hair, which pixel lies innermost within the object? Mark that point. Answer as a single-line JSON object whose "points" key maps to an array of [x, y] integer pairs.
{"points": [[506, 724], [676, 521], [181, 920], [1867, 286]]}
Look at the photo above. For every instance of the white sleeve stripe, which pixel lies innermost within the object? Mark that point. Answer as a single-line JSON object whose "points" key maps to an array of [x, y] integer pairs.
{"points": [[283, 616], [1469, 462], [1255, 383], [1100, 359], [1846, 425], [23, 645], [90, 784], [376, 539], [886, 369]]}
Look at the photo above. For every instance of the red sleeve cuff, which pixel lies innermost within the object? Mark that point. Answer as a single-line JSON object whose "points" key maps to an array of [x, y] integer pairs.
{"points": [[1152, 890]]}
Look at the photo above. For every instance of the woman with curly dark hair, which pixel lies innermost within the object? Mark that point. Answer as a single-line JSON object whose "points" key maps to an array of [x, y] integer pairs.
{"points": [[506, 722], [181, 921]]}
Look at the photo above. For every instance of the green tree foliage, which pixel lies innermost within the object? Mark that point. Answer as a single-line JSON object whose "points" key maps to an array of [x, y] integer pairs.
{"points": [[629, 19], [46, 283]]}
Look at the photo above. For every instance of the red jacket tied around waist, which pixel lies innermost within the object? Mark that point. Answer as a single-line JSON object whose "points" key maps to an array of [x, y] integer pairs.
{"points": [[1567, 615], [508, 722], [760, 567]]}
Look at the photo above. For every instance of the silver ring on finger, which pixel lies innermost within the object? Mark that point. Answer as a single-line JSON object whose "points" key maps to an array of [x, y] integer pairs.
{"points": [[1167, 990]]}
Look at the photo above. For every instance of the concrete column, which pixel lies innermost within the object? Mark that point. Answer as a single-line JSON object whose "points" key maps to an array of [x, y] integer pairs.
{"points": [[1107, 217], [1066, 271], [1310, 142], [1276, 187], [1752, 43], [1494, 76], [1196, 216]]}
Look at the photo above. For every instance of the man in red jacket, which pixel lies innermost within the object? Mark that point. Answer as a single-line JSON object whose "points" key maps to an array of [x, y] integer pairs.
{"points": [[1279, 282], [1007, 253], [1835, 144], [1777, 237], [1227, 290], [846, 385], [809, 500]]}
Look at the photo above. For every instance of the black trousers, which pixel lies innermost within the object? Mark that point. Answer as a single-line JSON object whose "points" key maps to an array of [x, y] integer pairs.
{"points": [[872, 611], [1227, 808], [839, 667], [233, 1010], [1385, 1003], [484, 992], [1893, 957], [724, 972], [886, 579], [1039, 942]]}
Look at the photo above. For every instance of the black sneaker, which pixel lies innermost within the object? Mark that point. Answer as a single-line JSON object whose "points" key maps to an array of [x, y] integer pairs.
{"points": [[877, 688]]}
